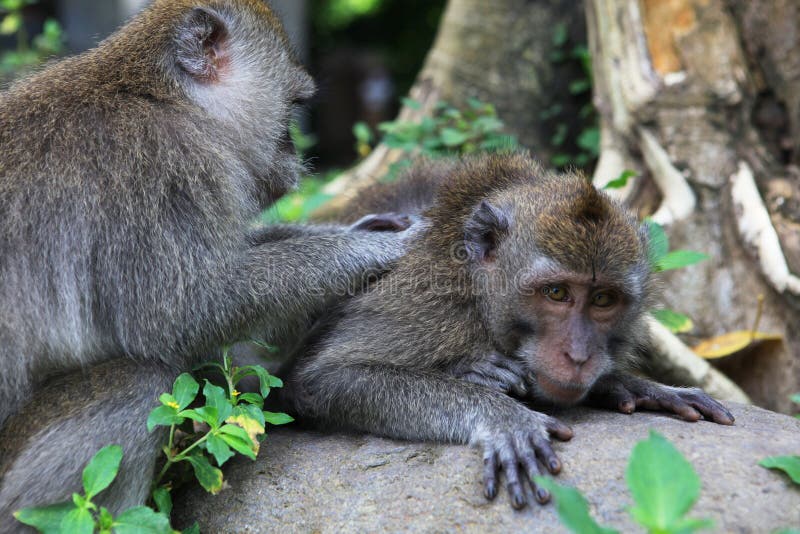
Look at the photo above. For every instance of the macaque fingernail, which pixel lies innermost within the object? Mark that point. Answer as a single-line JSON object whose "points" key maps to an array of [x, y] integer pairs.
{"points": [[490, 492], [542, 495], [555, 466]]}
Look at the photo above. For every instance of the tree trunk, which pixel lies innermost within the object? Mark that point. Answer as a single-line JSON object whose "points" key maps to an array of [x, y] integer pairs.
{"points": [[702, 97], [499, 52]]}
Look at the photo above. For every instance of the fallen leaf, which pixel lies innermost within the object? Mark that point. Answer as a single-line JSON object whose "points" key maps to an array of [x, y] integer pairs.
{"points": [[733, 342]]}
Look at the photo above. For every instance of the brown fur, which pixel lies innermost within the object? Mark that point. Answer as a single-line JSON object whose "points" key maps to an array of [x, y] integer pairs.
{"points": [[465, 317]]}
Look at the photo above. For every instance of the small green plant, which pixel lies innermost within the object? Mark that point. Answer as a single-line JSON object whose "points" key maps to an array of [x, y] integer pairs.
{"points": [[226, 423], [84, 516], [796, 399], [789, 465], [663, 484], [449, 131], [582, 129], [27, 53], [229, 421], [664, 259]]}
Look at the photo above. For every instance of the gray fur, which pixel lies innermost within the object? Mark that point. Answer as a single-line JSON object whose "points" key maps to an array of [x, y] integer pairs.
{"points": [[129, 179]]}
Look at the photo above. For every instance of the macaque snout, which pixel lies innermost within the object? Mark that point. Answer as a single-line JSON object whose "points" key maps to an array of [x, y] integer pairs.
{"points": [[565, 375]]}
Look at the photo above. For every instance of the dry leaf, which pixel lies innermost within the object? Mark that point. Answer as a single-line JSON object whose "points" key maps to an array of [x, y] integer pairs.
{"points": [[733, 342]]}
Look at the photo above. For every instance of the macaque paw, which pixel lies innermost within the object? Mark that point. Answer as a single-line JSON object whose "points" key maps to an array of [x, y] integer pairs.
{"points": [[384, 222], [690, 404], [498, 372], [516, 448]]}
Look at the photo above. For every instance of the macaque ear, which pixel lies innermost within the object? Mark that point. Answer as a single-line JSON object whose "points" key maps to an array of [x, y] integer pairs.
{"points": [[200, 45], [484, 229]]}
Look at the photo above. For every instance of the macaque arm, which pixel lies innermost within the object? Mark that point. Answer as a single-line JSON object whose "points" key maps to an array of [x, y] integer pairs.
{"points": [[199, 304], [626, 393], [426, 405], [279, 232]]}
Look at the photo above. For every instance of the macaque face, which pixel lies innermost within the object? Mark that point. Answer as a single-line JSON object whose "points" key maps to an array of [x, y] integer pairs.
{"points": [[566, 322]]}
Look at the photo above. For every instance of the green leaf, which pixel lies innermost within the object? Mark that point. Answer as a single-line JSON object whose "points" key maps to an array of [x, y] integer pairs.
{"points": [[194, 529], [142, 519], [105, 520], [217, 398], [238, 439], [662, 482], [251, 398], [101, 470], [266, 380], [788, 464], [163, 416], [11, 24], [185, 390], [677, 259], [207, 475], [658, 244], [362, 133], [205, 414], [163, 500], [411, 103], [78, 521], [560, 35], [677, 323], [572, 508], [795, 398], [577, 87], [453, 138], [277, 418], [218, 448], [621, 181], [589, 140], [46, 519]]}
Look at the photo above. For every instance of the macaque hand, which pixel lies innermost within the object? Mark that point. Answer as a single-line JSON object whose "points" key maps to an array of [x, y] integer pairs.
{"points": [[498, 372], [626, 393], [384, 222], [522, 439]]}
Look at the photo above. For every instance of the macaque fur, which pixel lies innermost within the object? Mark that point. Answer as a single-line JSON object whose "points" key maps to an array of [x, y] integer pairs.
{"points": [[522, 281], [129, 179]]}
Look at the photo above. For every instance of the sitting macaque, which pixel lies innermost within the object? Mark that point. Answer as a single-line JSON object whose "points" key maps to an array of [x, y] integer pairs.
{"points": [[520, 281]]}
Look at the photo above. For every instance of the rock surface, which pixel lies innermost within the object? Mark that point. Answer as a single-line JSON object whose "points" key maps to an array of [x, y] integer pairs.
{"points": [[312, 482]]}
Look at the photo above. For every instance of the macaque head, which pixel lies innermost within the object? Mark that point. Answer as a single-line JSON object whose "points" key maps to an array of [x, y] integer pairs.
{"points": [[560, 273], [231, 59]]}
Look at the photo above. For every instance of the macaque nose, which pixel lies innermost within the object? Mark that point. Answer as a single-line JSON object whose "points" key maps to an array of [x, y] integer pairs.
{"points": [[577, 357]]}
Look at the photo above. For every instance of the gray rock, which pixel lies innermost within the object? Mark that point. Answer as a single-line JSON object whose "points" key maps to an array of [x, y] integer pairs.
{"points": [[313, 482]]}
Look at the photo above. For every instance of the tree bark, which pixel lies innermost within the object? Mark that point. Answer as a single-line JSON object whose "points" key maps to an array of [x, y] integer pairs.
{"points": [[701, 97]]}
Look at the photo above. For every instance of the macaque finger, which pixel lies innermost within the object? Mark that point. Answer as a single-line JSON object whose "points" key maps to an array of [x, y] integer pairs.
{"points": [[558, 429], [548, 456], [680, 407], [515, 491], [626, 402], [490, 475], [531, 466], [711, 409]]}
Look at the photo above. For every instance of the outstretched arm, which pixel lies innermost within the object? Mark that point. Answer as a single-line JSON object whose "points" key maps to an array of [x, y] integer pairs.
{"points": [[426, 405]]}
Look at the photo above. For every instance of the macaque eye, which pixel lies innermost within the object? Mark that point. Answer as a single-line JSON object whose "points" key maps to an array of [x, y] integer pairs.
{"points": [[555, 292], [603, 300]]}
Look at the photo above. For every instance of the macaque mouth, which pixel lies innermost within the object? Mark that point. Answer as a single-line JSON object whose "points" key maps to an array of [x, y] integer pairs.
{"points": [[561, 392]]}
